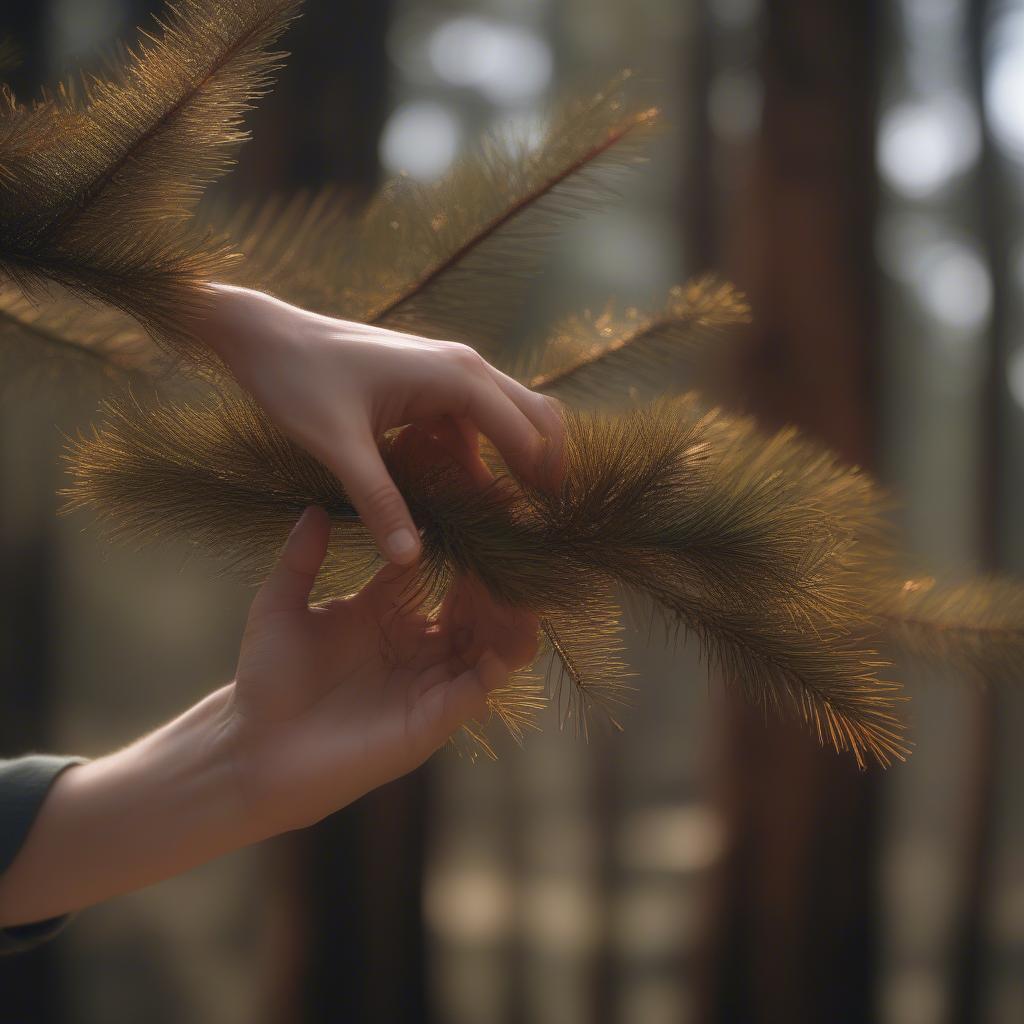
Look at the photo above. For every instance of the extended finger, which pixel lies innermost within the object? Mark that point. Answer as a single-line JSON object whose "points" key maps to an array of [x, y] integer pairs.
{"points": [[360, 468]]}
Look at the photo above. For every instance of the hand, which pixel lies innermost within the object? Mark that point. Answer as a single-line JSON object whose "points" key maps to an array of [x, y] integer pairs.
{"points": [[332, 701], [328, 703], [335, 387]]}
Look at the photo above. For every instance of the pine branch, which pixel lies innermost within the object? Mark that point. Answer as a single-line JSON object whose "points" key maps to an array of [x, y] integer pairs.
{"points": [[451, 259], [975, 626], [59, 330], [753, 545], [98, 189], [295, 247], [622, 358], [454, 258], [589, 672]]}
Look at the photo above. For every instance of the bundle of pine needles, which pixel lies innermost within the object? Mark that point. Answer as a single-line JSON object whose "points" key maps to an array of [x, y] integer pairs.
{"points": [[101, 178], [695, 513], [766, 550]]}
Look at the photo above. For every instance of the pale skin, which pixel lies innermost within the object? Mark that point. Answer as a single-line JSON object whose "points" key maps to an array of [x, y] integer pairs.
{"points": [[335, 386], [328, 701]]}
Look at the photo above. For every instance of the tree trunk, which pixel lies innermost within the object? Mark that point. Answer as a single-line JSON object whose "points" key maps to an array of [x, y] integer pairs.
{"points": [[792, 936]]}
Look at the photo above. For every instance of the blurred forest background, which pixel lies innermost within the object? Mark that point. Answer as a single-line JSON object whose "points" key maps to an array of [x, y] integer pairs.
{"points": [[857, 168]]}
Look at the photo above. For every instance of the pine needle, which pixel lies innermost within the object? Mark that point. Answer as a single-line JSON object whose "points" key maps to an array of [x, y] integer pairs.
{"points": [[517, 704], [619, 359], [975, 626], [295, 247], [59, 331], [749, 544], [98, 184]]}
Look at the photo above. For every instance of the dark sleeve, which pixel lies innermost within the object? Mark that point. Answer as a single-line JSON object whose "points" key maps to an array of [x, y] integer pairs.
{"points": [[24, 783]]}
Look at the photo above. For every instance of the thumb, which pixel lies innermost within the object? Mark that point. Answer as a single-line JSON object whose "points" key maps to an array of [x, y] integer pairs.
{"points": [[382, 508], [292, 578]]}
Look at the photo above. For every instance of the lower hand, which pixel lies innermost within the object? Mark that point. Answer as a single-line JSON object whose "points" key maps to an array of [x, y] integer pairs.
{"points": [[328, 703], [332, 701]]}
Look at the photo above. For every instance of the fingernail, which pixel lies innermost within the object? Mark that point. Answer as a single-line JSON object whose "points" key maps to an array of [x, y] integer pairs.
{"points": [[401, 546]]}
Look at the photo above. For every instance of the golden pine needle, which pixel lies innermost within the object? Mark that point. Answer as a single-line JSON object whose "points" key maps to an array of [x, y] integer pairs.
{"points": [[97, 189], [517, 704], [453, 258], [56, 331], [975, 626], [618, 359]]}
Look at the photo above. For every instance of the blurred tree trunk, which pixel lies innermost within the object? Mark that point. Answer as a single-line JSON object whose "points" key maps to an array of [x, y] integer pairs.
{"points": [[30, 983], [971, 946], [366, 959], [793, 928], [321, 123]]}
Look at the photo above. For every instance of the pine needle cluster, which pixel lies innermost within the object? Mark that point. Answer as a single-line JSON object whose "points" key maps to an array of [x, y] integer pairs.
{"points": [[975, 626], [101, 178], [766, 550], [752, 544]]}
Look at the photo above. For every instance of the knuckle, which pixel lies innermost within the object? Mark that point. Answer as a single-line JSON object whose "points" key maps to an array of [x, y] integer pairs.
{"points": [[466, 358]]}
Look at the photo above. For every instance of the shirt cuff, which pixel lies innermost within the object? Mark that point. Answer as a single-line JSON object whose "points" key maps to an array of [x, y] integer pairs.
{"points": [[23, 937], [24, 783]]}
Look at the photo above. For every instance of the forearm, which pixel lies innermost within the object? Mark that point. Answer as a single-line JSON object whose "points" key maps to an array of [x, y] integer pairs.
{"points": [[165, 804]]}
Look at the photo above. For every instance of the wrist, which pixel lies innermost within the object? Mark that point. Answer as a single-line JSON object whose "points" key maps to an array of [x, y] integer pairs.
{"points": [[185, 772], [161, 806], [261, 776]]}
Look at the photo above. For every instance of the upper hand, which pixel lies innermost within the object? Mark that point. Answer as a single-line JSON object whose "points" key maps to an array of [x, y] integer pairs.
{"points": [[335, 387]]}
